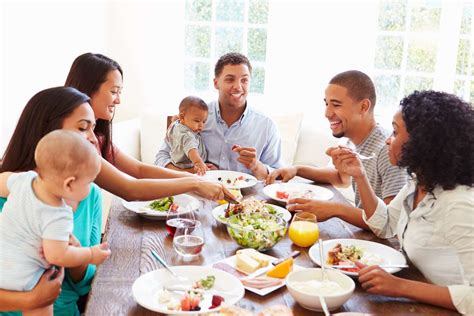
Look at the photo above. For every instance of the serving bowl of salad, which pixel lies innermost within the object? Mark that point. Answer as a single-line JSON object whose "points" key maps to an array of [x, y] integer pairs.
{"points": [[259, 231]]}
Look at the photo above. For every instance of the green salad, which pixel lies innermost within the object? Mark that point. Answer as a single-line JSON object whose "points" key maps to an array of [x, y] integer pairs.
{"points": [[162, 205], [256, 230]]}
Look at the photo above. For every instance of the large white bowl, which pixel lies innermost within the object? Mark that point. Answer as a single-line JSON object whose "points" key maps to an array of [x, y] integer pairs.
{"points": [[311, 301]]}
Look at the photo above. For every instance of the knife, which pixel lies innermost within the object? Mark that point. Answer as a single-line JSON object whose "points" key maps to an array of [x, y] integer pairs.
{"points": [[293, 255]]}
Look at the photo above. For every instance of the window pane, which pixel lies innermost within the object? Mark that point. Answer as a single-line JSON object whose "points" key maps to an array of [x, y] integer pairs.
{"points": [[258, 80], [425, 19], [257, 44], [421, 55], [462, 64], [228, 39], [230, 10], [196, 76], [392, 15], [387, 90], [417, 83], [466, 19], [198, 41], [389, 52], [459, 87], [258, 11], [198, 10]]}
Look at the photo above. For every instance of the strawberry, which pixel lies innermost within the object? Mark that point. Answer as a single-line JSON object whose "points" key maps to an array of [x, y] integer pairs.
{"points": [[186, 303], [216, 301], [195, 302]]}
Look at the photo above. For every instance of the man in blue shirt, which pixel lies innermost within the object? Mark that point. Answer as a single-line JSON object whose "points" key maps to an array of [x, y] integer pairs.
{"points": [[236, 136]]}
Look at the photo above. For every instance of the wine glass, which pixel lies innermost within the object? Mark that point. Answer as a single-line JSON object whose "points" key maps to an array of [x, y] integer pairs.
{"points": [[188, 238], [176, 216], [303, 230]]}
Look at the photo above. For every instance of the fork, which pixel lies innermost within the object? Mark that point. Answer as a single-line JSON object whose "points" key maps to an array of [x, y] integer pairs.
{"points": [[160, 260]]}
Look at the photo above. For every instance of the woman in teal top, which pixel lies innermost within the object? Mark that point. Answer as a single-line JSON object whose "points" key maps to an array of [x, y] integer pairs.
{"points": [[51, 109]]}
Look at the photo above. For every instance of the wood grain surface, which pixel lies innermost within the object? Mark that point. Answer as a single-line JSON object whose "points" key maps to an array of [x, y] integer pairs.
{"points": [[131, 238]]}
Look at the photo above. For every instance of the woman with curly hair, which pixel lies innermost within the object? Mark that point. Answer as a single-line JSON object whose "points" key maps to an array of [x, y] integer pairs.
{"points": [[433, 215]]}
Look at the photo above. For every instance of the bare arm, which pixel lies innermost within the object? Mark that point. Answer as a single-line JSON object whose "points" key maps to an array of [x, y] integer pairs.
{"points": [[377, 281], [3, 183], [131, 189], [199, 164], [44, 293], [324, 174], [140, 170], [62, 254]]}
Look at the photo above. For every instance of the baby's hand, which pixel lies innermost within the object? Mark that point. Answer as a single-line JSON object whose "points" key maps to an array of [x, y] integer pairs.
{"points": [[100, 253], [200, 168]]}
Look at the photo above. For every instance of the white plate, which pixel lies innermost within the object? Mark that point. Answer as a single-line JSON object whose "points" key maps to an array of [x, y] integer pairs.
{"points": [[186, 203], [262, 292], [318, 193], [224, 175], [387, 254], [146, 288], [220, 211]]}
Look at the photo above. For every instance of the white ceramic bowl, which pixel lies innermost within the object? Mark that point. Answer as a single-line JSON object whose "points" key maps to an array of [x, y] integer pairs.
{"points": [[311, 301]]}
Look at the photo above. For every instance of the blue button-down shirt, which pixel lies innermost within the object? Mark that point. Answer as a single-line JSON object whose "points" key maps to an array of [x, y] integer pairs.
{"points": [[253, 129]]}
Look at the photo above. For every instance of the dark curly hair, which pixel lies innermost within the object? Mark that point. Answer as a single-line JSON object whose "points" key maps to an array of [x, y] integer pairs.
{"points": [[439, 148]]}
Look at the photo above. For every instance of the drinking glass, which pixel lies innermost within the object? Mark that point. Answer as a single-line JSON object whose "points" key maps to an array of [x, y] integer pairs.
{"points": [[303, 230], [175, 217], [188, 238]]}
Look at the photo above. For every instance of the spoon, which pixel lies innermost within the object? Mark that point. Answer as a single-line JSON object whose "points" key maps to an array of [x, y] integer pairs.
{"points": [[324, 278], [160, 260]]}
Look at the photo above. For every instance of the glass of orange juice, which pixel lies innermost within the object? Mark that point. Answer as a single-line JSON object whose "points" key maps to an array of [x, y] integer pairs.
{"points": [[304, 230]]}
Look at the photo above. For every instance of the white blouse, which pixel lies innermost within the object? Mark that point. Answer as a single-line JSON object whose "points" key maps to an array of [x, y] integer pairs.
{"points": [[437, 236]]}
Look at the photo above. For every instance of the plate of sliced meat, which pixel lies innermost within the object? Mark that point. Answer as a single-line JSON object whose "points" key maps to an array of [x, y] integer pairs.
{"points": [[251, 267]]}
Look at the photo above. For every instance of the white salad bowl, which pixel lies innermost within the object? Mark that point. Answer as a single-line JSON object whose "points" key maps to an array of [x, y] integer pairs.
{"points": [[311, 300]]}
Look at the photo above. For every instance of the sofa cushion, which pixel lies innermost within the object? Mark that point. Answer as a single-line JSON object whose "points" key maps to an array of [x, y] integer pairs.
{"points": [[289, 126], [152, 133]]}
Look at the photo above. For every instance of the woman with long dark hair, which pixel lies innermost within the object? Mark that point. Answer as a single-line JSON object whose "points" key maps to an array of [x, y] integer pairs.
{"points": [[52, 109], [101, 78], [433, 215]]}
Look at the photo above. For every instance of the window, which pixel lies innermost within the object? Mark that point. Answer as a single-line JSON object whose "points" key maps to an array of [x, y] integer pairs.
{"points": [[214, 28], [416, 49]]}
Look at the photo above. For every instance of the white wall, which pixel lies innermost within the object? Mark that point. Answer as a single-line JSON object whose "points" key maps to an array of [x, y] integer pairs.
{"points": [[40, 42]]}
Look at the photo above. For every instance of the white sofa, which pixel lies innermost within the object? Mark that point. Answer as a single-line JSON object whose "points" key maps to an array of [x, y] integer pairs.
{"points": [[304, 138]]}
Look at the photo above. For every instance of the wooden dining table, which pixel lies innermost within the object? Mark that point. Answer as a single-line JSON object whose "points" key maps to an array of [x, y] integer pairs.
{"points": [[132, 237]]}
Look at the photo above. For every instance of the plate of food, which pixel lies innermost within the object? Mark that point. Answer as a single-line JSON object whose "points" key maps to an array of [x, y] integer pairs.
{"points": [[232, 179], [256, 270], [158, 209], [281, 191], [203, 290], [249, 205], [344, 252]]}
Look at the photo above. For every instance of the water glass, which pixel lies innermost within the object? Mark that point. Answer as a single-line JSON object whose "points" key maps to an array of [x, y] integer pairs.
{"points": [[188, 238]]}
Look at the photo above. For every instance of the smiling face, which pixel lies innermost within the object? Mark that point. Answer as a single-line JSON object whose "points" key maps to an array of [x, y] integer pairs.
{"points": [[194, 118], [82, 121], [233, 84], [343, 113], [398, 138], [104, 100]]}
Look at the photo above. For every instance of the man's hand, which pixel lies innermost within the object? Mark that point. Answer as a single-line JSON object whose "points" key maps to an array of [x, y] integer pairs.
{"points": [[346, 161], [248, 157], [285, 174], [47, 289], [322, 209]]}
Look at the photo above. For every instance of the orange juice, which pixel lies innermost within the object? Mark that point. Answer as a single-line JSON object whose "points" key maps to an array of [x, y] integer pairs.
{"points": [[303, 233]]}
